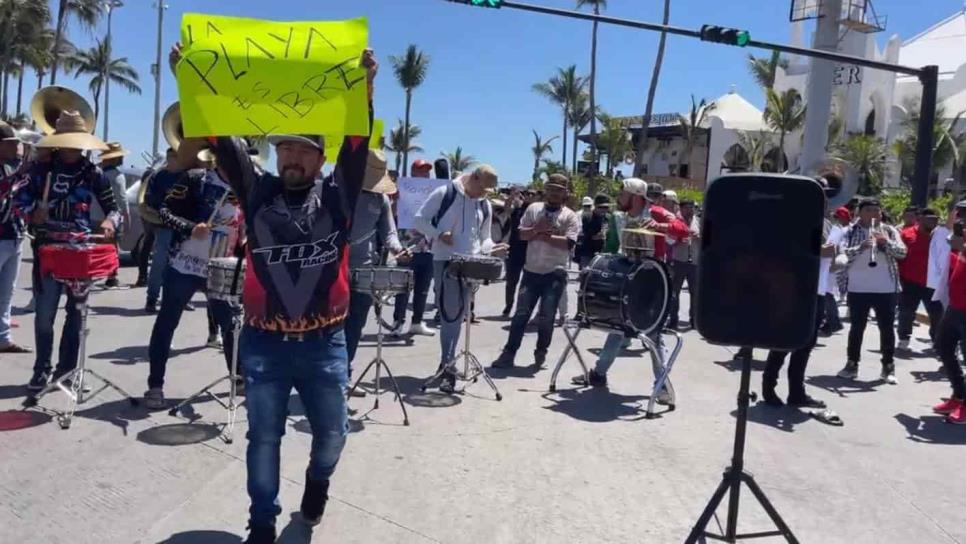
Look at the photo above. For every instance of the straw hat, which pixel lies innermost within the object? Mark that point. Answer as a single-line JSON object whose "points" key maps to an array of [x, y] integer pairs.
{"points": [[71, 132], [377, 178], [114, 151]]}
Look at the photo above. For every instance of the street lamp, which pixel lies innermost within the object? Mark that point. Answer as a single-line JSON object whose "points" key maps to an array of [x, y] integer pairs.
{"points": [[109, 5], [157, 71]]}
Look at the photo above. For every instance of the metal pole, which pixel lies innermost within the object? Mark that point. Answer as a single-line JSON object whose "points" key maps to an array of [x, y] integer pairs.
{"points": [[157, 85], [110, 5], [929, 77]]}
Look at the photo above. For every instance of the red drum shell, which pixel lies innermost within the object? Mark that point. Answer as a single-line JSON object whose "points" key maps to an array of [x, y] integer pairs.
{"points": [[85, 262]]}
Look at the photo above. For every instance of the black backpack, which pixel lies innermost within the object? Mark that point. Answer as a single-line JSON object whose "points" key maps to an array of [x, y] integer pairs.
{"points": [[448, 200]]}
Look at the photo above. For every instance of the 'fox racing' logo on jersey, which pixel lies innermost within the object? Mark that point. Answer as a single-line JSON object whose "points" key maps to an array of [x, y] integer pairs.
{"points": [[308, 255]]}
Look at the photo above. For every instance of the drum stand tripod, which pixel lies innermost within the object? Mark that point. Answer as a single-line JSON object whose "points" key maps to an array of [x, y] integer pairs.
{"points": [[72, 383], [227, 433], [472, 369], [378, 299], [662, 368]]}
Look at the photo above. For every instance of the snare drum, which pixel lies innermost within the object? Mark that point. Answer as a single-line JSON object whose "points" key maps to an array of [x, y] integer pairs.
{"points": [[221, 278], [620, 294], [377, 280], [78, 262], [475, 267]]}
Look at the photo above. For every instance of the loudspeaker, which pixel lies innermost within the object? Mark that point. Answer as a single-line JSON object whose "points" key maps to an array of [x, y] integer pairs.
{"points": [[441, 168], [759, 260]]}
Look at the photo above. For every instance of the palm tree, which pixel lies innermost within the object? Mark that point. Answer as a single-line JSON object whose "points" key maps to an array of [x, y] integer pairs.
{"points": [[756, 146], [946, 140], [95, 63], [400, 144], [410, 70], [550, 168], [87, 12], [579, 117], [651, 92], [597, 5], [614, 140], [458, 162], [869, 156], [765, 69], [540, 148], [22, 27], [785, 113], [562, 89], [691, 127]]}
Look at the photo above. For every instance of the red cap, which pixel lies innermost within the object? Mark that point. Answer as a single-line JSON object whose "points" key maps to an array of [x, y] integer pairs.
{"points": [[419, 164], [843, 213]]}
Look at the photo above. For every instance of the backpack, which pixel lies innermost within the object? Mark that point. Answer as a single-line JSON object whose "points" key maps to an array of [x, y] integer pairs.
{"points": [[448, 200]]}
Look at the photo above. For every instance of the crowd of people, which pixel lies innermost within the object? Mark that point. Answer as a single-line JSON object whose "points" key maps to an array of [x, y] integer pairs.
{"points": [[301, 234]]}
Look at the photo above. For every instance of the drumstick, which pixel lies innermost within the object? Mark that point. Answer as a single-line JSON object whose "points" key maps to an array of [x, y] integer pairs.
{"points": [[46, 191], [221, 202]]}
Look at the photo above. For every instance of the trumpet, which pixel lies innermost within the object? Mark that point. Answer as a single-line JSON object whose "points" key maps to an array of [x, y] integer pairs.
{"points": [[874, 251]]}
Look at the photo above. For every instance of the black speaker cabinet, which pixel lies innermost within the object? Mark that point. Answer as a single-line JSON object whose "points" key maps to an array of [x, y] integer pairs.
{"points": [[759, 260]]}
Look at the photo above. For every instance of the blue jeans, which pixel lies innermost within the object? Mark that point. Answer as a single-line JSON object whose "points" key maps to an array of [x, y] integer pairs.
{"points": [[316, 368], [47, 301], [545, 289], [422, 267], [159, 262], [453, 300], [178, 290], [9, 268], [359, 304]]}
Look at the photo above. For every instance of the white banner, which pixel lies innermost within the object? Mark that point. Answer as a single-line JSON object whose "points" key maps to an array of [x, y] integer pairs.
{"points": [[412, 193]]}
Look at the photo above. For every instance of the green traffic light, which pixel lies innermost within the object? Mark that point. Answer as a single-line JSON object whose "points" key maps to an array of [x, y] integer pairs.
{"points": [[486, 3], [743, 38]]}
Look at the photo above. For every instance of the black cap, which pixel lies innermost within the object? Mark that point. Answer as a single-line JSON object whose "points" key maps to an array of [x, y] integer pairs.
{"points": [[654, 189], [601, 200]]}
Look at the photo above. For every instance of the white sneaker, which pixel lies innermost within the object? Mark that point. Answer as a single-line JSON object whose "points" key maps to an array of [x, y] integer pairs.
{"points": [[421, 330], [903, 345]]}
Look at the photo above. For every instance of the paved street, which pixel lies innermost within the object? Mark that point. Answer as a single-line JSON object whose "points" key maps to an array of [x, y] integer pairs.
{"points": [[576, 466]]}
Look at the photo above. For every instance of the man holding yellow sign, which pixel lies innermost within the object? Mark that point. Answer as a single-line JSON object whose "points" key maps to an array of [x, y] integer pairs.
{"points": [[296, 291]]}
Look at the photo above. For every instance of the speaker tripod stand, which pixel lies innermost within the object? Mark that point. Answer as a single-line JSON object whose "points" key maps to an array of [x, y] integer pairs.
{"points": [[232, 377], [472, 368], [379, 298], [734, 476]]}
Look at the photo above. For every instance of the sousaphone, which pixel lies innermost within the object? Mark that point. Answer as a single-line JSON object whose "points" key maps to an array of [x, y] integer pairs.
{"points": [[173, 130], [48, 103], [842, 178]]}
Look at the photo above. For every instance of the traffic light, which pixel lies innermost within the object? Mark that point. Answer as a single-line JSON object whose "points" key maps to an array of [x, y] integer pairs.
{"points": [[720, 34], [481, 3]]}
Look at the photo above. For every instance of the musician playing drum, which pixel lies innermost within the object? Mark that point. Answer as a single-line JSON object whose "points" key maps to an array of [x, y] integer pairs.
{"points": [[551, 230], [637, 212], [457, 218], [58, 199], [205, 219], [373, 229]]}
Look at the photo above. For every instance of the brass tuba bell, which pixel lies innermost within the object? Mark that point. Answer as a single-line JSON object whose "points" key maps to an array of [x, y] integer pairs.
{"points": [[171, 126], [842, 178], [48, 103]]}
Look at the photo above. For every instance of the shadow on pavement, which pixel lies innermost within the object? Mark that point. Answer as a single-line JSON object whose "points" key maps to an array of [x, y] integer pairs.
{"points": [[783, 419], [841, 386], [931, 429], [15, 420], [119, 312], [528, 371], [13, 391], [303, 426], [734, 365], [928, 375], [202, 537], [596, 405], [129, 355], [295, 532], [178, 434]]}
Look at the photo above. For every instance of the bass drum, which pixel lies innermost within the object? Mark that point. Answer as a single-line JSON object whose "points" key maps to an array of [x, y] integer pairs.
{"points": [[619, 294]]}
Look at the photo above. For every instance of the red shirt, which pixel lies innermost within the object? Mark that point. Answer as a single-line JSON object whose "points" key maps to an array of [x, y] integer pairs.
{"points": [[676, 230], [957, 281], [916, 264]]}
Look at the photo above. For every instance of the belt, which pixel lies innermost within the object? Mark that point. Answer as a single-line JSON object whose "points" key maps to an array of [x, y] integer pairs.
{"points": [[304, 336]]}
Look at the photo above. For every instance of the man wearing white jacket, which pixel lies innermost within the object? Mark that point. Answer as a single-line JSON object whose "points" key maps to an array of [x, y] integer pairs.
{"points": [[457, 218]]}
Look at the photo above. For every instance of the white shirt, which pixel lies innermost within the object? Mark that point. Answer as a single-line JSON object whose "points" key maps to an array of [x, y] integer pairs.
{"points": [[542, 257], [826, 280], [938, 263]]}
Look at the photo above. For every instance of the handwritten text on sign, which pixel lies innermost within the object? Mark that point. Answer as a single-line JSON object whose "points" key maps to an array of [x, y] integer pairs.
{"points": [[254, 77], [413, 192]]}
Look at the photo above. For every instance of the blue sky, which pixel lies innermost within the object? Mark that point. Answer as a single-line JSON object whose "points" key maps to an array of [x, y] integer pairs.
{"points": [[483, 62]]}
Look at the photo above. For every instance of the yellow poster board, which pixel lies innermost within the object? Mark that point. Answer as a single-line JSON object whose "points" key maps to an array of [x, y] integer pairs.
{"points": [[333, 143], [240, 77]]}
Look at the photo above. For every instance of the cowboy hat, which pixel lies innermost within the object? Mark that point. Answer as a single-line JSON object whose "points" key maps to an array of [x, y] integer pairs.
{"points": [[71, 132], [377, 178], [114, 151]]}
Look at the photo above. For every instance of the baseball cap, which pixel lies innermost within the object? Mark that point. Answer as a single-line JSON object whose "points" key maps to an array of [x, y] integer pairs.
{"points": [[671, 195], [420, 164], [635, 186], [654, 190], [316, 141], [7, 133], [587, 201], [843, 213], [601, 200]]}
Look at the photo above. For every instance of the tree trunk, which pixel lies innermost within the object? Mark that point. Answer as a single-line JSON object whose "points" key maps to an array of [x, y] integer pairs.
{"points": [[652, 90], [58, 36], [780, 167], [406, 146], [591, 175], [4, 84], [97, 107], [398, 162], [23, 70], [536, 167], [563, 160], [573, 158], [40, 79]]}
